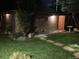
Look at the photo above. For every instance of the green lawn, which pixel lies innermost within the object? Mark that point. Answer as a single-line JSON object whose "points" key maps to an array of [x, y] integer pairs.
{"points": [[37, 48], [66, 38]]}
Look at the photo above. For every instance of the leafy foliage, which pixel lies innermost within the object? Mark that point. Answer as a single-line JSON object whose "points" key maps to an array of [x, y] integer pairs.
{"points": [[69, 6], [20, 55], [24, 20]]}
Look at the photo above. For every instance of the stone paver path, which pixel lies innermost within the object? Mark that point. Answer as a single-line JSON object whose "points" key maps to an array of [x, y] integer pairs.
{"points": [[50, 41], [76, 54], [67, 48], [59, 44]]}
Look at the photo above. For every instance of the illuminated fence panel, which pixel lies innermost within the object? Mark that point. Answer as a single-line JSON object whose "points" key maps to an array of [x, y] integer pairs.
{"points": [[52, 23], [61, 23]]}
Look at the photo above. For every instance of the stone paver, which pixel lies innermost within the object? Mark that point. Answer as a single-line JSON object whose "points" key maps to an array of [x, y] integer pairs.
{"points": [[50, 41], [42, 38], [41, 35], [76, 54], [58, 44], [69, 49], [74, 45]]}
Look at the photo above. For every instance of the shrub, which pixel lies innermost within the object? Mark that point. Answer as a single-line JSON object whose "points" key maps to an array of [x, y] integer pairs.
{"points": [[14, 36], [20, 55]]}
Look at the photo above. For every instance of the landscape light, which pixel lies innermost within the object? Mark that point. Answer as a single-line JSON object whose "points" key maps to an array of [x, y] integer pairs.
{"points": [[52, 18], [7, 16]]}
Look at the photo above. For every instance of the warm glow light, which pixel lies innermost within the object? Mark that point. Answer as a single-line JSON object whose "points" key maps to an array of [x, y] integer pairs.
{"points": [[7, 16], [52, 19], [61, 22], [52, 23]]}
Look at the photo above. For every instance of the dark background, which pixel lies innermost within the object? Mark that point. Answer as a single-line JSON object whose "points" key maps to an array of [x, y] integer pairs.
{"points": [[7, 5], [29, 5]]}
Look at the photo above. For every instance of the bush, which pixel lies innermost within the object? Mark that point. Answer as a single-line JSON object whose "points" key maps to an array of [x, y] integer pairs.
{"points": [[14, 36], [20, 55]]}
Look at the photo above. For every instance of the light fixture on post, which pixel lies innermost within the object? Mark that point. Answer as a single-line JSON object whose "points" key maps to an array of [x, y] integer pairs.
{"points": [[8, 20], [7, 16], [52, 23], [52, 18]]}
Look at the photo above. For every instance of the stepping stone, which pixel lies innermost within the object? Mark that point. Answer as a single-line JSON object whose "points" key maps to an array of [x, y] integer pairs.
{"points": [[76, 54], [69, 49], [50, 41], [42, 38], [41, 35], [59, 44], [74, 45]]}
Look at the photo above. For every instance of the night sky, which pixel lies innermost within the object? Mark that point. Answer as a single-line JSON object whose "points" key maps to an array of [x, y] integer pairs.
{"points": [[7, 5], [47, 4], [41, 4]]}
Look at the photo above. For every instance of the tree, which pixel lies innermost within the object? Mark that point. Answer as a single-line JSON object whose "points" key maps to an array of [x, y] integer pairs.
{"points": [[69, 6], [74, 7], [25, 11]]}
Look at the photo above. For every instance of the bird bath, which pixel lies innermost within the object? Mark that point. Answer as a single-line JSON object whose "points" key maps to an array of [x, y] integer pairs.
{"points": [[69, 28]]}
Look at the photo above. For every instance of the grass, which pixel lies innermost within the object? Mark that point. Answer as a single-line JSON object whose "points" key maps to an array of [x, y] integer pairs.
{"points": [[38, 48], [66, 38]]}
